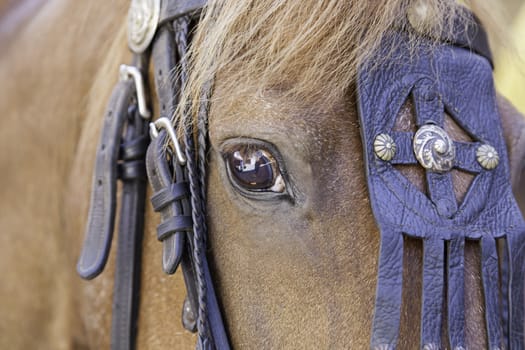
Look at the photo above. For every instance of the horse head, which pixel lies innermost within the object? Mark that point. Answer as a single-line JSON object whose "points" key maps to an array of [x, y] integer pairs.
{"points": [[299, 141]]}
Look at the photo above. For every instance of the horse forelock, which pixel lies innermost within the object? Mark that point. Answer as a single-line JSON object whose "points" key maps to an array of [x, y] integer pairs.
{"points": [[307, 49]]}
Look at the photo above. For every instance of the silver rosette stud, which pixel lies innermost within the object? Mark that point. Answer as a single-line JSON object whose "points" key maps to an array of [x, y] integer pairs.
{"points": [[143, 17], [434, 149], [422, 16], [384, 147], [487, 157]]}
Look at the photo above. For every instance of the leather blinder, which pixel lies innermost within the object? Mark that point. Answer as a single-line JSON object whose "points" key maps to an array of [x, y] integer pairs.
{"points": [[438, 79]]}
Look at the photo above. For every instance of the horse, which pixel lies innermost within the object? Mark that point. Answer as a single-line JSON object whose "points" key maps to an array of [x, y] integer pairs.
{"points": [[295, 267]]}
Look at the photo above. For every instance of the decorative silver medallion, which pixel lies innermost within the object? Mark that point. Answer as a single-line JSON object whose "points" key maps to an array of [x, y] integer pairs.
{"points": [[421, 16], [384, 147], [383, 347], [143, 17], [487, 157], [431, 346], [434, 149]]}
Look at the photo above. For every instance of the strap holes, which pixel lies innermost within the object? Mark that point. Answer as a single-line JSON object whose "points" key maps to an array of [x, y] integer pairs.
{"points": [[99, 182], [163, 107], [110, 113], [103, 147], [160, 71]]}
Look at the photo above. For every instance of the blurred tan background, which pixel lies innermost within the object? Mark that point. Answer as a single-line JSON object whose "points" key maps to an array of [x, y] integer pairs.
{"points": [[510, 59]]}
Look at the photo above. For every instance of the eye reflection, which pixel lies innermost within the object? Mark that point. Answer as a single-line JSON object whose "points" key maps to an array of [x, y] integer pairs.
{"points": [[254, 169]]}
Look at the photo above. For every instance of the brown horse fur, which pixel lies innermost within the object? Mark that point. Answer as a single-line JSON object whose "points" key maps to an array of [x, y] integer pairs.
{"points": [[289, 276]]}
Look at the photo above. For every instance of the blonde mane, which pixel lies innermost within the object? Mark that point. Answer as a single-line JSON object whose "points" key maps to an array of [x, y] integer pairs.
{"points": [[305, 49]]}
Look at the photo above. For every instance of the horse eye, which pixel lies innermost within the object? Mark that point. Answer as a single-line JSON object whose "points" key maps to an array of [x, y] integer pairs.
{"points": [[254, 169]]}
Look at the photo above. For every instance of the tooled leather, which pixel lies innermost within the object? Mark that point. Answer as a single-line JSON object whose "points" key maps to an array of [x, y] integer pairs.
{"points": [[451, 79], [99, 230], [471, 36], [468, 33]]}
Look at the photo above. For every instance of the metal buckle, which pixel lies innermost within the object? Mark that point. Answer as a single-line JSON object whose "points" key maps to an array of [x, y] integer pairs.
{"points": [[165, 123], [130, 72]]}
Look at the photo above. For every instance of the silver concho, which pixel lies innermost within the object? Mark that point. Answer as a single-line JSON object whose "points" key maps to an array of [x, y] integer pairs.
{"points": [[431, 346], [384, 147], [487, 157], [383, 347], [434, 149], [421, 16], [143, 17]]}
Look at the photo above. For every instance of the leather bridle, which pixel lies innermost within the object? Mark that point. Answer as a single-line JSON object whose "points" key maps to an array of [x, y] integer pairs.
{"points": [[174, 176], [177, 176]]}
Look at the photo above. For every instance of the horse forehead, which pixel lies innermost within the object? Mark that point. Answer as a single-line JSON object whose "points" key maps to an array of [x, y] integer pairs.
{"points": [[312, 123]]}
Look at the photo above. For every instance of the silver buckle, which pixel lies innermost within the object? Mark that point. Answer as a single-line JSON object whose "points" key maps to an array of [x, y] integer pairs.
{"points": [[165, 123], [130, 72]]}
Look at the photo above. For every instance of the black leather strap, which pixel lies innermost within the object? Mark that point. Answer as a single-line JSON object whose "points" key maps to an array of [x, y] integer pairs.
{"points": [[490, 277], [217, 329], [161, 179], [505, 287], [173, 225], [456, 293], [120, 154], [387, 311], [127, 271], [135, 149], [433, 291], [170, 10], [169, 194], [164, 57], [132, 170], [99, 230], [516, 252]]}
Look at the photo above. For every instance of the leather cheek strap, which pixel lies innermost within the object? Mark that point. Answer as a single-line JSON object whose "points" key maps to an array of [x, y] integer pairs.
{"points": [[99, 231], [173, 207]]}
